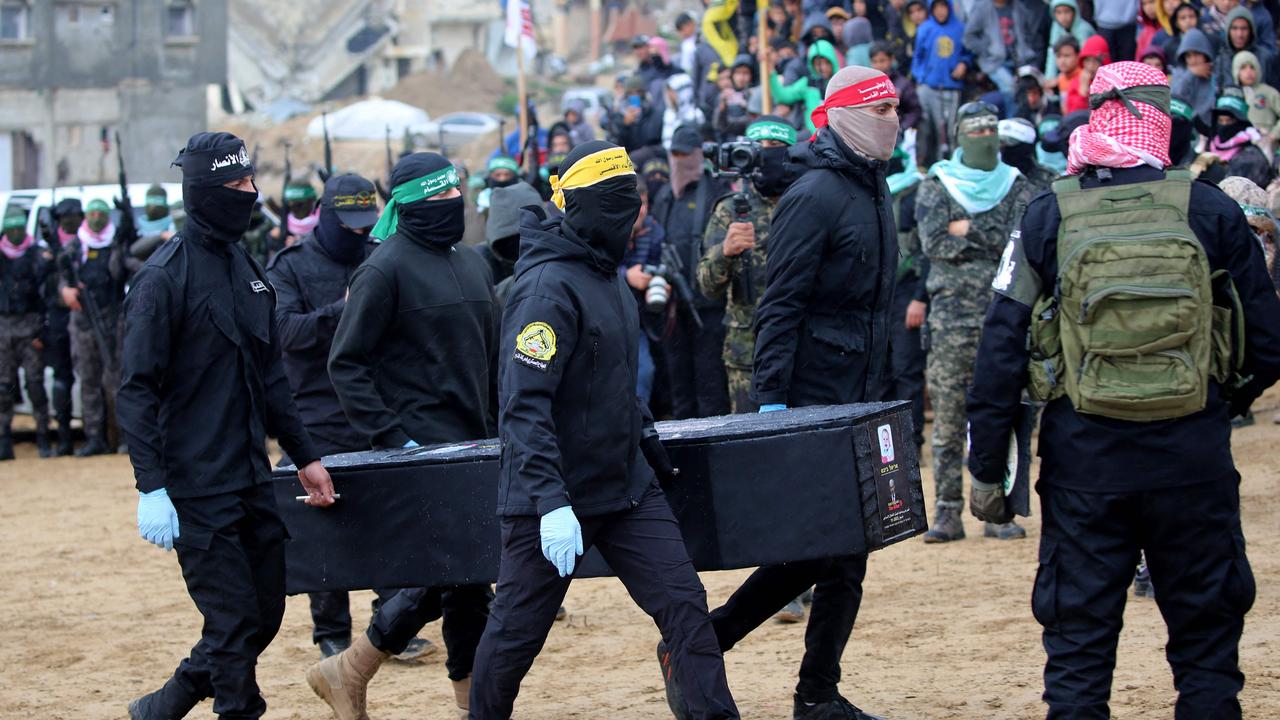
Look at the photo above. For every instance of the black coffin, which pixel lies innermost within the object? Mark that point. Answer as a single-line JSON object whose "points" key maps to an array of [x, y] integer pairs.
{"points": [[753, 490]]}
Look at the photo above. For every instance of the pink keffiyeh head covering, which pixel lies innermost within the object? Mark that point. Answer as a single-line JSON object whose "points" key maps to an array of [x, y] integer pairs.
{"points": [[1129, 124]]}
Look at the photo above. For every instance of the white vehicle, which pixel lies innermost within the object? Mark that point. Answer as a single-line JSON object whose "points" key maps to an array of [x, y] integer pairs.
{"points": [[596, 102], [456, 129], [36, 202]]}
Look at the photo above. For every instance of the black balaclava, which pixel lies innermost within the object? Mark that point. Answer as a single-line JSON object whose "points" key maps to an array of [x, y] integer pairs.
{"points": [[1181, 139], [340, 243], [435, 223], [1231, 129], [215, 213], [602, 214], [775, 174], [1020, 155]]}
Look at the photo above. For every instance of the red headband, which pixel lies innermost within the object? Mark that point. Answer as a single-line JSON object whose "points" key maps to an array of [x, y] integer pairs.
{"points": [[863, 93]]}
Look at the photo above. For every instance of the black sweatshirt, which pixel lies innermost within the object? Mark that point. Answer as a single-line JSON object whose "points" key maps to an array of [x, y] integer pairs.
{"points": [[203, 384], [413, 357], [570, 423]]}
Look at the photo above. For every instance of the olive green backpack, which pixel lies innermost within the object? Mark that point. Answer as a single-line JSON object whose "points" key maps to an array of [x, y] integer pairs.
{"points": [[1131, 330]]}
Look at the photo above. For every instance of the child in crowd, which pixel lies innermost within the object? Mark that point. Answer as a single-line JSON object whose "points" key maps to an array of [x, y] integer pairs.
{"points": [[939, 65], [1263, 100], [1066, 53], [1066, 21]]}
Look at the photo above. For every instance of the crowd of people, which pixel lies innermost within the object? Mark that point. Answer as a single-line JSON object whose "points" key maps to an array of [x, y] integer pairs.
{"points": [[814, 216]]}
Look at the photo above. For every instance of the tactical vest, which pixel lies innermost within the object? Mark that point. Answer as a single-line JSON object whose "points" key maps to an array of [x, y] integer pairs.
{"points": [[1131, 329]]}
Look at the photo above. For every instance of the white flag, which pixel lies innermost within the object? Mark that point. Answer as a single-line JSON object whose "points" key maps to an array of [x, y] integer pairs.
{"points": [[520, 22]]}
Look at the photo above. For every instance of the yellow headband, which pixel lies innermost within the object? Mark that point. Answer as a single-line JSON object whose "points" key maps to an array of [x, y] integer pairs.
{"points": [[596, 167]]}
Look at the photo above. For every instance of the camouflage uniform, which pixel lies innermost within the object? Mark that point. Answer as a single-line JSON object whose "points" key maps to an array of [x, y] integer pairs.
{"points": [[741, 280], [101, 272], [959, 284], [1040, 179]]}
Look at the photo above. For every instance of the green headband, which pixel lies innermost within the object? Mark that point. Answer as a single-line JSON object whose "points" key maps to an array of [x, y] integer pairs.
{"points": [[503, 163], [413, 191], [14, 220], [294, 193], [1229, 102], [1180, 109], [769, 130], [157, 201], [1254, 210], [97, 206], [1155, 95]]}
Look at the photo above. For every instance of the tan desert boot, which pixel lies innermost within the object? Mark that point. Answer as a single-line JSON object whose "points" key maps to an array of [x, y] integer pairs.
{"points": [[343, 680]]}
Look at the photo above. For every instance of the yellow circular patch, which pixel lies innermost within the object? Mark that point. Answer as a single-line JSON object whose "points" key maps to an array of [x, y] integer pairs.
{"points": [[944, 48], [537, 340]]}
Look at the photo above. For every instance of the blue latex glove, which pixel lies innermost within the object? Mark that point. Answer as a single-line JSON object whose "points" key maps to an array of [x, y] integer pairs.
{"points": [[561, 539], [157, 520], [773, 407], [410, 444]]}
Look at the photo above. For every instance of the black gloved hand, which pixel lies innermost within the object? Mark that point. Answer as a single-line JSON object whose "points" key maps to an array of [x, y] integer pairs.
{"points": [[654, 451], [987, 503]]}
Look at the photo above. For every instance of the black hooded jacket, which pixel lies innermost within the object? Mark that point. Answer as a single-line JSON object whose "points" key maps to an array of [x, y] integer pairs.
{"points": [[822, 329], [203, 384], [413, 354], [310, 289], [570, 422]]}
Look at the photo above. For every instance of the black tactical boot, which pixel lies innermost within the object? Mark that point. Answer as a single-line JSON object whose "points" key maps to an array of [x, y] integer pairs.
{"points": [[42, 439], [838, 709], [947, 525], [95, 446], [675, 698], [171, 702], [6, 445], [65, 445]]}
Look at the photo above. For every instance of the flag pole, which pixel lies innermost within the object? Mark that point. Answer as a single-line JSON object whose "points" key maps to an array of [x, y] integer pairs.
{"points": [[762, 52], [521, 91]]}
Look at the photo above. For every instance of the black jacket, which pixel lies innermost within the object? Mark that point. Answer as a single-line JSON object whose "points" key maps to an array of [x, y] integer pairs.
{"points": [[1093, 453], [645, 131], [22, 281], [822, 333], [413, 357], [684, 222], [570, 422], [202, 384], [310, 289]]}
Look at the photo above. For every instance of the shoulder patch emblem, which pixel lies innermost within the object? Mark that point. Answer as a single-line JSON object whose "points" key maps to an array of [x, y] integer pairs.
{"points": [[536, 345]]}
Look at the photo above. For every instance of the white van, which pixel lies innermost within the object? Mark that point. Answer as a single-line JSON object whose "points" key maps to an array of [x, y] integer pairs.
{"points": [[37, 202]]}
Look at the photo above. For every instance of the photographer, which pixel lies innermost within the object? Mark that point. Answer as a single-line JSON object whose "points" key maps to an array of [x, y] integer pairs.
{"points": [[735, 248], [695, 337]]}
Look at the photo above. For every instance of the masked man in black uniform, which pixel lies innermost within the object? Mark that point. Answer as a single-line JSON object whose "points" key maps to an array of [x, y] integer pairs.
{"points": [[572, 474], [412, 362], [202, 388]]}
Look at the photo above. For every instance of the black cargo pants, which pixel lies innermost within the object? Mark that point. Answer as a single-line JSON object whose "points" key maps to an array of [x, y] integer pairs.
{"points": [[231, 549], [644, 547], [1195, 551], [837, 595]]}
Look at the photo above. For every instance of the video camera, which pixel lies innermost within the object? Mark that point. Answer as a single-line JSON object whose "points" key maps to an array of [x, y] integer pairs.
{"points": [[739, 158]]}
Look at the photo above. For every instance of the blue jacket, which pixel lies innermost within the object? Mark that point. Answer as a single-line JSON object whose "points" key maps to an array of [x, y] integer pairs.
{"points": [[939, 48]]}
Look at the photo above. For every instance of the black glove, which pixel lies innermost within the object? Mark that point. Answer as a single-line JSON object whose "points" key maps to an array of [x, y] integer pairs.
{"points": [[656, 454], [987, 503]]}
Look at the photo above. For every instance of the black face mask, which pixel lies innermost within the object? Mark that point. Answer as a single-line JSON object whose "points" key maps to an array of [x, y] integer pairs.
{"points": [[342, 244], [604, 214], [1020, 155], [1181, 138], [1226, 132], [775, 175], [220, 214], [438, 223]]}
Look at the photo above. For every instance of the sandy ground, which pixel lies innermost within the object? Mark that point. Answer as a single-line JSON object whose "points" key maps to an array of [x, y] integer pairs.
{"points": [[91, 616]]}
